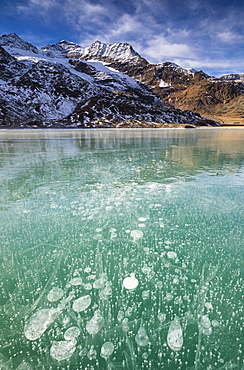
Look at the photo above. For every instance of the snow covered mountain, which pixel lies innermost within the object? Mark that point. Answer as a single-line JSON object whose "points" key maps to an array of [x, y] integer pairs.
{"points": [[63, 49], [16, 46], [64, 85], [122, 52], [237, 77]]}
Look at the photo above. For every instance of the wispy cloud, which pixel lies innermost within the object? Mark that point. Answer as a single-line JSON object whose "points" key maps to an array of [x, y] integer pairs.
{"points": [[160, 48], [33, 6], [198, 33], [229, 36]]}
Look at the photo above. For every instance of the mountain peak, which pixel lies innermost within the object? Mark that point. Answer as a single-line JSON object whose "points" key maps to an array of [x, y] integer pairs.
{"points": [[238, 77], [63, 48], [13, 41], [176, 67], [111, 52]]}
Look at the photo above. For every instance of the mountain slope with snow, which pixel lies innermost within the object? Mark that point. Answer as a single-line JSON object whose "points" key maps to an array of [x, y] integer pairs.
{"points": [[16, 46], [57, 87]]}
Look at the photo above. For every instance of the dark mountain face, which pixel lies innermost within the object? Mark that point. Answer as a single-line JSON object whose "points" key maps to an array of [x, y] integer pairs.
{"points": [[10, 67], [105, 85]]}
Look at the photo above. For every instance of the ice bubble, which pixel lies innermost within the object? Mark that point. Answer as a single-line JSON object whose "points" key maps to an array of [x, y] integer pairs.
{"points": [[72, 333], [208, 305], [91, 277], [92, 353], [76, 281], [82, 303], [106, 292], [94, 325], [87, 270], [120, 315], [66, 320], [39, 322], [107, 349], [171, 255], [146, 269], [145, 294], [206, 331], [178, 300], [158, 284], [161, 316], [205, 325], [125, 325], [205, 322], [141, 337], [55, 294], [87, 286], [23, 366], [129, 311], [145, 356], [176, 280], [83, 352], [99, 283], [142, 219], [169, 296], [175, 335], [215, 323], [136, 234], [130, 282], [62, 350], [141, 225]]}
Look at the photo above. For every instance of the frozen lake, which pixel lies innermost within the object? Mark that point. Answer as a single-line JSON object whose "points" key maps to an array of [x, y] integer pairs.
{"points": [[121, 249]]}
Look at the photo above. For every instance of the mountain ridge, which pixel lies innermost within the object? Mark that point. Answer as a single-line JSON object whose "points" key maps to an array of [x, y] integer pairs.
{"points": [[47, 87]]}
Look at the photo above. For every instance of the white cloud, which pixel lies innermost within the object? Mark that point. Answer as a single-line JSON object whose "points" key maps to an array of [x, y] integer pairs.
{"points": [[160, 48], [197, 34], [33, 6], [126, 24], [229, 36]]}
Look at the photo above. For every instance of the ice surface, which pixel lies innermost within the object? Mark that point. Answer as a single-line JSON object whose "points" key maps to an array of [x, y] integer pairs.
{"points": [[82, 303], [135, 312], [63, 349]]}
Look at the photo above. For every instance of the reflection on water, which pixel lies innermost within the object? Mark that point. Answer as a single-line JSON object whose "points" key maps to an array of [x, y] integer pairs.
{"points": [[121, 249]]}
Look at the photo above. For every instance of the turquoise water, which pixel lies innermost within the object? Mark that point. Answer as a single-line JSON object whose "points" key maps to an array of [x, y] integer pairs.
{"points": [[121, 249]]}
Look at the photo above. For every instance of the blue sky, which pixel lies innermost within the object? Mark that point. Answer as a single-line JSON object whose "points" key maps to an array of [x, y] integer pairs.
{"points": [[207, 35]]}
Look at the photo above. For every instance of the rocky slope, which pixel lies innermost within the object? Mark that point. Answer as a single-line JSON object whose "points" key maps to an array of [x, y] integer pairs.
{"points": [[187, 89], [105, 85]]}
